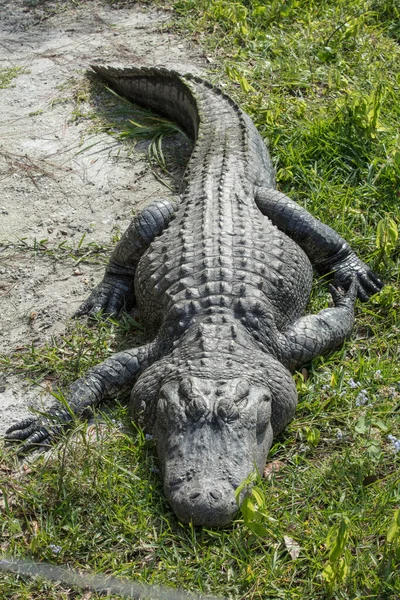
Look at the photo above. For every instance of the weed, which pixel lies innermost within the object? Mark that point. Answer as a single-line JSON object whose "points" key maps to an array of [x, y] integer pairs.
{"points": [[387, 235], [337, 567], [167, 145], [68, 357], [92, 252], [7, 76]]}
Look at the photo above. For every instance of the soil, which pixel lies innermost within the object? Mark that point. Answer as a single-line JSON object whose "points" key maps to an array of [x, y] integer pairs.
{"points": [[58, 179]]}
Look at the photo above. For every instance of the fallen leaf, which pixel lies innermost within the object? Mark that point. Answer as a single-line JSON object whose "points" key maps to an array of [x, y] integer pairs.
{"points": [[7, 502], [304, 372], [272, 467], [292, 547]]}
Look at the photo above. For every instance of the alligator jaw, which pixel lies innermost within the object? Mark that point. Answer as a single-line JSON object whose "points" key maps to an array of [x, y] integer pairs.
{"points": [[209, 503], [201, 490]]}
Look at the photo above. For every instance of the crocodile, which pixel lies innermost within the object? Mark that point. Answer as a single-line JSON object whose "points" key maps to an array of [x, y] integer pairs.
{"points": [[221, 278]]}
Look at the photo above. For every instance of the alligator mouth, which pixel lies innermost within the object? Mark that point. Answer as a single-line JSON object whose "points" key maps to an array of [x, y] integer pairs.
{"points": [[211, 504]]}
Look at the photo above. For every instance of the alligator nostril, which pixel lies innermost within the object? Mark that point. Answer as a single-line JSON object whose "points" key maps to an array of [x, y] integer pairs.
{"points": [[194, 495], [214, 494]]}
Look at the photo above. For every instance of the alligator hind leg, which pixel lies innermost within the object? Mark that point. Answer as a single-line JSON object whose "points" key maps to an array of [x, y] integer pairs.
{"points": [[117, 284], [313, 335], [116, 375], [329, 252]]}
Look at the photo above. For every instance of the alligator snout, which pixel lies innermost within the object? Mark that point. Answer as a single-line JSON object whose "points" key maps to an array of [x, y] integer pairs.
{"points": [[207, 503]]}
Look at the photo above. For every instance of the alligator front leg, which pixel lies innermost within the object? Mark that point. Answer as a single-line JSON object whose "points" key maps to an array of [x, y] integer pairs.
{"points": [[115, 375], [329, 252], [313, 335], [117, 284]]}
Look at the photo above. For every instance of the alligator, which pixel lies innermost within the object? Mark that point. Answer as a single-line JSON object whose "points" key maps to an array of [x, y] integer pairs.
{"points": [[221, 278]]}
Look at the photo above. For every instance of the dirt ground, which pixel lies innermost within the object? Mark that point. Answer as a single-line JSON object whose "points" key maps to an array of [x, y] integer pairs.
{"points": [[49, 188]]}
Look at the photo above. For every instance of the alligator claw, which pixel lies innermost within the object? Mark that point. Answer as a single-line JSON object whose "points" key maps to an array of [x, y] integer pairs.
{"points": [[32, 432], [370, 283], [344, 297], [21, 430], [107, 298], [336, 294], [40, 431], [350, 268]]}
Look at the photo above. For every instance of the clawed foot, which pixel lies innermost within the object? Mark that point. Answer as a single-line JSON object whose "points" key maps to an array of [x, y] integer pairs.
{"points": [[343, 297], [38, 432], [108, 297], [30, 431], [351, 269]]}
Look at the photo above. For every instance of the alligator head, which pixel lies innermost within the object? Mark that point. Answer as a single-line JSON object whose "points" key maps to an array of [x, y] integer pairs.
{"points": [[214, 414], [211, 434]]}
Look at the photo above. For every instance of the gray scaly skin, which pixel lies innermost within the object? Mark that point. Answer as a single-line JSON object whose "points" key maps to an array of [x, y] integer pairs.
{"points": [[222, 279]]}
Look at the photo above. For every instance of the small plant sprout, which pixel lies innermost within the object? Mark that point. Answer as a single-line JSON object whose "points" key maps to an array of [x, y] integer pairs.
{"points": [[337, 567], [387, 235], [254, 507]]}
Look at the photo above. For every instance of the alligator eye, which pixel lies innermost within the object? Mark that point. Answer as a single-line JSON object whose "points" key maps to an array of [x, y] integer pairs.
{"points": [[162, 411], [262, 420], [186, 387], [227, 411], [196, 409], [242, 390], [263, 415]]}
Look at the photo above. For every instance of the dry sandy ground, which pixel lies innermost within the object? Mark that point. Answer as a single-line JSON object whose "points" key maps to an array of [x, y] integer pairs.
{"points": [[49, 189]]}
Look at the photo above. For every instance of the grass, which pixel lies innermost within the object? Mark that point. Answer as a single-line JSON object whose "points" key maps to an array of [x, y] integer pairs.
{"points": [[7, 76], [65, 250], [167, 146], [321, 81]]}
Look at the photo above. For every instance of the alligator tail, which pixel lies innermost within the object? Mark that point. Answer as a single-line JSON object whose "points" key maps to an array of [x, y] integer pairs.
{"points": [[166, 92]]}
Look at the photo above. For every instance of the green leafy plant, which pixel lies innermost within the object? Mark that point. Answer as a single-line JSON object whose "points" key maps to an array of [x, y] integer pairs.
{"points": [[337, 567], [313, 436], [362, 111], [393, 535], [240, 78], [253, 507], [387, 235]]}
